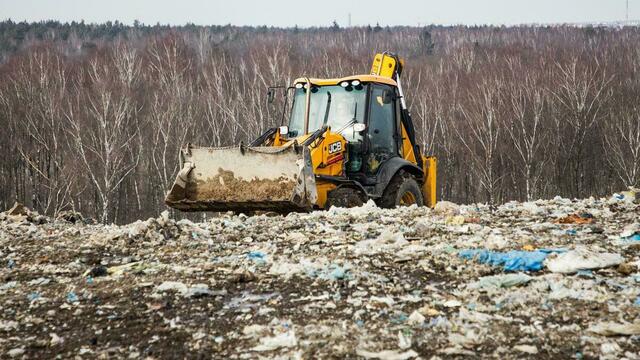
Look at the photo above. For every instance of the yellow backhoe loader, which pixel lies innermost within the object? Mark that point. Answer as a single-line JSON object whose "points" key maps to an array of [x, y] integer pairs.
{"points": [[347, 140]]}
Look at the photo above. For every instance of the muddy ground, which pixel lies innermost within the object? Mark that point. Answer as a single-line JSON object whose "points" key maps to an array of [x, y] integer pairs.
{"points": [[356, 283]]}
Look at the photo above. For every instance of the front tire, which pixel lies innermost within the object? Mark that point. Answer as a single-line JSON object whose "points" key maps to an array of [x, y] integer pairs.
{"points": [[403, 190], [345, 197]]}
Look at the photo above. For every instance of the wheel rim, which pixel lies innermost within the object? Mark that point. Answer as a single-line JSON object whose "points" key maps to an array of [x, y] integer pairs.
{"points": [[407, 199]]}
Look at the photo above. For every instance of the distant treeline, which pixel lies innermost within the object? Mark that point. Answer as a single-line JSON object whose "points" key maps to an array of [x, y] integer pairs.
{"points": [[92, 116]]}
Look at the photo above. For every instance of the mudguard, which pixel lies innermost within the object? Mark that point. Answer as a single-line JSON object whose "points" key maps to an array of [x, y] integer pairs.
{"points": [[391, 167]]}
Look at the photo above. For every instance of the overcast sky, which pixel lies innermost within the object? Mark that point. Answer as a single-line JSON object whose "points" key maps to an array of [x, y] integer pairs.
{"points": [[322, 12]]}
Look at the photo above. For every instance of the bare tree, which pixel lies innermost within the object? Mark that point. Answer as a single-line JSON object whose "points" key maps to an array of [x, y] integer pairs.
{"points": [[580, 92], [40, 81], [481, 134], [525, 128], [172, 110], [622, 135], [104, 133]]}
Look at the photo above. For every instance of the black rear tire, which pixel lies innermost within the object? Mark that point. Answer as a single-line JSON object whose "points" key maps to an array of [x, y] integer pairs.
{"points": [[403, 190]]}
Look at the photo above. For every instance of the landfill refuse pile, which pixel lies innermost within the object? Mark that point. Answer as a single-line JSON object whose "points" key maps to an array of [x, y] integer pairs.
{"points": [[546, 279]]}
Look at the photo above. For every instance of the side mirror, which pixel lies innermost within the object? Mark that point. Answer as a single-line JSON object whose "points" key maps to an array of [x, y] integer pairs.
{"points": [[359, 127], [270, 96], [284, 130]]}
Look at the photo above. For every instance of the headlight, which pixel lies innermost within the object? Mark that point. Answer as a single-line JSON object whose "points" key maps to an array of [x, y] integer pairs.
{"points": [[299, 86], [355, 82], [344, 84]]}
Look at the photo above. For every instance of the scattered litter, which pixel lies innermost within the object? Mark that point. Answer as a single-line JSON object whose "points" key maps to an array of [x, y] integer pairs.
{"points": [[364, 282]]}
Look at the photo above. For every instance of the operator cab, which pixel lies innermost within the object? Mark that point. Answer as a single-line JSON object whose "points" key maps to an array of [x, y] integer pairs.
{"points": [[365, 112]]}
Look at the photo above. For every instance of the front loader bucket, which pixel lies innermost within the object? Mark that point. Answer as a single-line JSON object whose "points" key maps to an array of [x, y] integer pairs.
{"points": [[244, 179]]}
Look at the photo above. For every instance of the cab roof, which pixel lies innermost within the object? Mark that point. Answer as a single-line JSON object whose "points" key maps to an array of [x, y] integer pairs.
{"points": [[336, 81]]}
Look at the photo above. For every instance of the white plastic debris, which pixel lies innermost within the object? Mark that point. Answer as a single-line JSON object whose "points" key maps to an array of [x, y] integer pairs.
{"points": [[15, 352], [452, 303], [55, 339], [404, 341], [416, 319], [630, 230], [610, 348], [172, 286], [285, 339], [386, 241], [6, 325], [533, 209], [446, 208], [528, 349], [381, 301], [581, 259], [613, 329], [195, 290], [254, 330], [501, 281], [387, 354]]}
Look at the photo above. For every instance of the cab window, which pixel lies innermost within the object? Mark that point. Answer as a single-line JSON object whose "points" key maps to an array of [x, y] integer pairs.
{"points": [[382, 127]]}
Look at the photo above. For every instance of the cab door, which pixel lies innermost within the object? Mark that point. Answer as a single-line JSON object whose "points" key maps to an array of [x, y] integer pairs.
{"points": [[381, 133]]}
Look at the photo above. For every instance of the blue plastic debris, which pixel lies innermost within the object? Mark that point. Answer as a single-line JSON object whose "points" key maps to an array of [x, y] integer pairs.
{"points": [[11, 263], [33, 296], [89, 280], [256, 255], [399, 318], [72, 297], [637, 302], [331, 272], [334, 272], [439, 321], [510, 261], [635, 237], [571, 232]]}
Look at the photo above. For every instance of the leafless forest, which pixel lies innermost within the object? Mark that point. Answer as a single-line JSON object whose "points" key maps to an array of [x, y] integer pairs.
{"points": [[94, 123]]}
